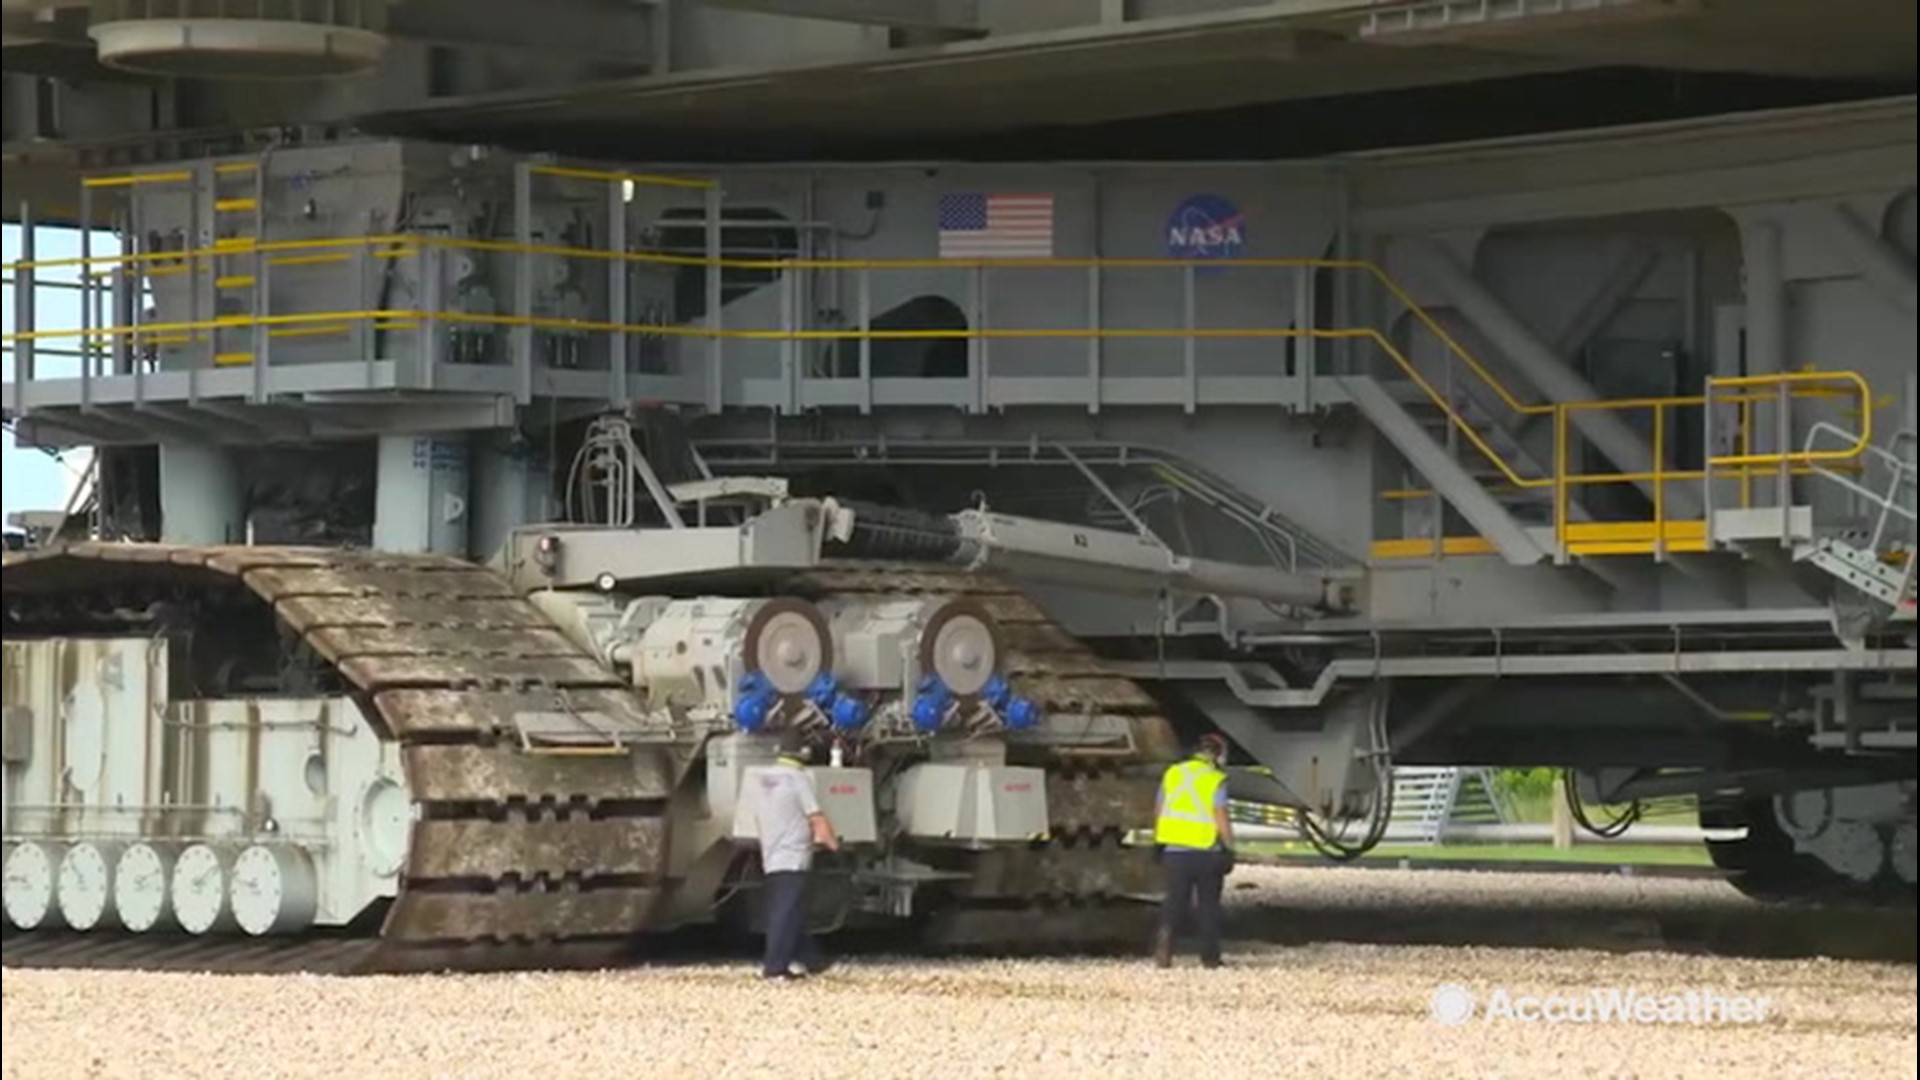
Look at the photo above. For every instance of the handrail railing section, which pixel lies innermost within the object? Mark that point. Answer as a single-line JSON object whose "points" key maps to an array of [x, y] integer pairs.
{"points": [[1556, 483]]}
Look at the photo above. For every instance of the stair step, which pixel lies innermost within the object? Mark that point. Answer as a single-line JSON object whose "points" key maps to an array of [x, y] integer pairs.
{"points": [[1863, 570]]}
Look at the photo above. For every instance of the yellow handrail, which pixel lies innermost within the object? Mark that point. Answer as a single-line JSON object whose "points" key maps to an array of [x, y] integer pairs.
{"points": [[567, 172], [1862, 440], [132, 179], [1559, 479]]}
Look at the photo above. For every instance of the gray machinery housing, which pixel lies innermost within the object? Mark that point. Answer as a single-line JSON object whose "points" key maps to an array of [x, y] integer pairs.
{"points": [[1592, 450]]}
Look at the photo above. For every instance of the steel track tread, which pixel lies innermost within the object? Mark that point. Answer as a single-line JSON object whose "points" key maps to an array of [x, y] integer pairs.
{"points": [[445, 656], [486, 886]]}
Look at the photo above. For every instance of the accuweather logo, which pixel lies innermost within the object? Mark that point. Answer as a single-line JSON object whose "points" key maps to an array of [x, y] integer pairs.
{"points": [[1454, 1005]]}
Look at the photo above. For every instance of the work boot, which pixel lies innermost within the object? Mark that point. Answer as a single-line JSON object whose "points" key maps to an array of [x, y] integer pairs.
{"points": [[1163, 949]]}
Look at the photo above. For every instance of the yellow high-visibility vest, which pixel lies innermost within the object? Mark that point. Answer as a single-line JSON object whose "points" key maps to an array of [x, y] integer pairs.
{"points": [[1186, 817]]}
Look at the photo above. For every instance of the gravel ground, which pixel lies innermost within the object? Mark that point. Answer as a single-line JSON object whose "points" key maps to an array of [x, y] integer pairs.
{"points": [[1311, 1009]]}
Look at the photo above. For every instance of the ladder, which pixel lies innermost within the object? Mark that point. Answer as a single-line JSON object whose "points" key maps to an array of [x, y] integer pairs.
{"points": [[1883, 566], [1428, 799], [237, 265]]}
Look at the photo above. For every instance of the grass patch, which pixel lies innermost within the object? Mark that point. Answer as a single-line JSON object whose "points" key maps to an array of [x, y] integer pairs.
{"points": [[1579, 854]]}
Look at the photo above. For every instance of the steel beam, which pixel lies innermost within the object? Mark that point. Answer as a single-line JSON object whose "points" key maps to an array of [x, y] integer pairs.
{"points": [[957, 17], [1606, 300], [261, 423], [161, 424], [575, 27], [1260, 687], [1442, 708], [66, 430], [1607, 430], [1109, 561], [1446, 475], [1885, 268]]}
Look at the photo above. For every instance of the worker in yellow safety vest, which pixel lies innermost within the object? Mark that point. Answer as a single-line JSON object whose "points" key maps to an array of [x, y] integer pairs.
{"points": [[1195, 839]]}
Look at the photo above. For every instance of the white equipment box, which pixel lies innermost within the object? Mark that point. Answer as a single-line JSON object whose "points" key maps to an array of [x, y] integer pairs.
{"points": [[845, 795], [974, 804]]}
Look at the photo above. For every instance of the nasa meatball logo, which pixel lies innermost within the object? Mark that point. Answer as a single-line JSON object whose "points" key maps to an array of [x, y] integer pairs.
{"points": [[1206, 227]]}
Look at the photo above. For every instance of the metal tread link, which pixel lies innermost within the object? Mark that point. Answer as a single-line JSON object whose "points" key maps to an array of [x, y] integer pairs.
{"points": [[516, 859]]}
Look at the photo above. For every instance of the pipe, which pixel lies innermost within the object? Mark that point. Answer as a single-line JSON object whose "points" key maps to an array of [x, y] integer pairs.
{"points": [[1099, 559], [1520, 833], [1117, 562]]}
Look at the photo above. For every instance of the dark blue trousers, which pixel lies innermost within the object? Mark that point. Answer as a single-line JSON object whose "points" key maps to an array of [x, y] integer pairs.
{"points": [[1194, 880], [786, 917]]}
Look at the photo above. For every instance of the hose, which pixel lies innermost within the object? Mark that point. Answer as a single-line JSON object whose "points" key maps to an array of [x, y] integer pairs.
{"points": [[1612, 830], [1333, 845]]}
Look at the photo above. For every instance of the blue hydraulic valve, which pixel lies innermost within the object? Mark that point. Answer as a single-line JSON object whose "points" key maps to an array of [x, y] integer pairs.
{"points": [[754, 702], [1022, 714], [844, 711], [1019, 713], [848, 713], [931, 704]]}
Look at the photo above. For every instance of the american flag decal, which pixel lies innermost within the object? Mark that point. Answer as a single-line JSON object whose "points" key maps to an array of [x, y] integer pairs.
{"points": [[995, 226]]}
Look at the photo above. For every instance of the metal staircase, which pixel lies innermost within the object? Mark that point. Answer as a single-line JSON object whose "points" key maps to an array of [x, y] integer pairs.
{"points": [[1528, 510], [1449, 477], [1426, 799], [1882, 567], [1532, 506]]}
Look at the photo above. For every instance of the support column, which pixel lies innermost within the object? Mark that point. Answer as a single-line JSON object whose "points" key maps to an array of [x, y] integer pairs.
{"points": [[1606, 429], [1764, 282], [509, 491], [202, 497], [420, 501], [1765, 287]]}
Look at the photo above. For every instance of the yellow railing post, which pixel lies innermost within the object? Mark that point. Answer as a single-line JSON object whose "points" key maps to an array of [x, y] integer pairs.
{"points": [[1561, 554], [1746, 449], [1659, 480]]}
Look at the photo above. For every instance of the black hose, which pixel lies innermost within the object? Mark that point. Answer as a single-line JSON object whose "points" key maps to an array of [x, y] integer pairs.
{"points": [[1612, 829], [1332, 847]]}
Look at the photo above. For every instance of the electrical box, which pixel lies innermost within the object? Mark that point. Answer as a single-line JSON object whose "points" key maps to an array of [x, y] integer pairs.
{"points": [[16, 735], [974, 804], [845, 796]]}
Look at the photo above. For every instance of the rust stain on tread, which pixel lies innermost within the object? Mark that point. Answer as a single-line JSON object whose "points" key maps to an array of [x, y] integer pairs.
{"points": [[337, 643], [465, 774], [392, 672], [307, 613], [379, 581], [1087, 802], [493, 850], [560, 913], [490, 712], [1104, 693]]}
